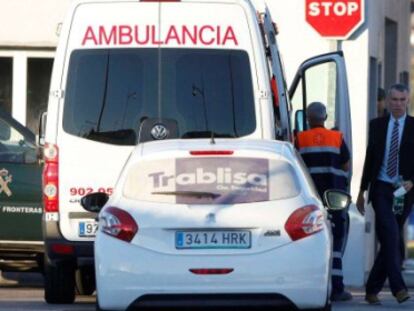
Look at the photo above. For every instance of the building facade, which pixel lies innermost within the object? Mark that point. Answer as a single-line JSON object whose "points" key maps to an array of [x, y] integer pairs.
{"points": [[28, 39]]}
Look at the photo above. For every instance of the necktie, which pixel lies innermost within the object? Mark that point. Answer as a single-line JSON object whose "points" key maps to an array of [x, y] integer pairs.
{"points": [[393, 152]]}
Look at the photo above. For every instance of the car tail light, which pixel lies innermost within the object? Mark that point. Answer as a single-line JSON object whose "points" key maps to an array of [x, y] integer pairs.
{"points": [[304, 222], [118, 224], [50, 178]]}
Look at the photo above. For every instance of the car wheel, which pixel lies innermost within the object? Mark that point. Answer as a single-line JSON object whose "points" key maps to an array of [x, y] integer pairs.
{"points": [[85, 280], [59, 282]]}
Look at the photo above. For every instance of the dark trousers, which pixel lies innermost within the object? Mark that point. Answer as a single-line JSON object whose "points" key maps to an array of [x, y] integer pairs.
{"points": [[388, 228], [340, 228]]}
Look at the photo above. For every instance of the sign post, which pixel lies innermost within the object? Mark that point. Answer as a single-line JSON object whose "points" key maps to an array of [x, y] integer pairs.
{"points": [[335, 19]]}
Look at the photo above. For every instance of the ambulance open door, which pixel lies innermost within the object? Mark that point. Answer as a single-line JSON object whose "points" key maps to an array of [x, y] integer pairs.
{"points": [[323, 78]]}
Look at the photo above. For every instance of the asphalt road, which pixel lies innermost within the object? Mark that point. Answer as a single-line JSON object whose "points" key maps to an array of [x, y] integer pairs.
{"points": [[20, 292]]}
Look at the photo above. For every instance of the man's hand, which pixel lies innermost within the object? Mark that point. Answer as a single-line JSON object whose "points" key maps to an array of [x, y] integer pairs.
{"points": [[408, 185], [360, 203]]}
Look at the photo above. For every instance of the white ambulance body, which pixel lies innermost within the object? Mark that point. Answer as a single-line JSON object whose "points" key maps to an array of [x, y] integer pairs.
{"points": [[204, 67]]}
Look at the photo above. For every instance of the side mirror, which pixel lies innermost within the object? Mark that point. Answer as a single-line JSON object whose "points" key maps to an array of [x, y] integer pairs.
{"points": [[336, 200], [299, 121], [42, 129], [5, 131], [94, 202]]}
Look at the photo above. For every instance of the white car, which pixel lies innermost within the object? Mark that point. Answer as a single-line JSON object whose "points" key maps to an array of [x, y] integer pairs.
{"points": [[217, 223]]}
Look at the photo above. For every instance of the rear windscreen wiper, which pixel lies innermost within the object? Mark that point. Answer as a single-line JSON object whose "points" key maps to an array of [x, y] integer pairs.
{"points": [[206, 134], [119, 137], [198, 194]]}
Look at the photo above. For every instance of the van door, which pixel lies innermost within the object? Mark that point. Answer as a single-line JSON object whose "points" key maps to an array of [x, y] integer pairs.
{"points": [[20, 183], [279, 87], [323, 78]]}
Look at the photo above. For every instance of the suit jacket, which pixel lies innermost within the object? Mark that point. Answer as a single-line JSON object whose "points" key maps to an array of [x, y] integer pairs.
{"points": [[376, 149]]}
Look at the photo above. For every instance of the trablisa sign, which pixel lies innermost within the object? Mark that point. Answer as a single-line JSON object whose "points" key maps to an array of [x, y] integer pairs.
{"points": [[211, 180], [335, 19]]}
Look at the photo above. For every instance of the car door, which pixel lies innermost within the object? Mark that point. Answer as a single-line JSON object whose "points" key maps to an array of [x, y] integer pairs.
{"points": [[20, 183], [322, 78]]}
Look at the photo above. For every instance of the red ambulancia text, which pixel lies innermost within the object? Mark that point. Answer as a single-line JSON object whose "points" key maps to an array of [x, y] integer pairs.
{"points": [[149, 35]]}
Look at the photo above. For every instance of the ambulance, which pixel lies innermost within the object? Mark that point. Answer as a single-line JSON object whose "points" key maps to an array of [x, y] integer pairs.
{"points": [[129, 72]]}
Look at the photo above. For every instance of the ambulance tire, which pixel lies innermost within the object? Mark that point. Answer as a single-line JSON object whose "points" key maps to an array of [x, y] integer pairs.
{"points": [[85, 280], [59, 282]]}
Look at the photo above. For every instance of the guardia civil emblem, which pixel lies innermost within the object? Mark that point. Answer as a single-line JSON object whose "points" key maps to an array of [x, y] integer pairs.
{"points": [[5, 179]]}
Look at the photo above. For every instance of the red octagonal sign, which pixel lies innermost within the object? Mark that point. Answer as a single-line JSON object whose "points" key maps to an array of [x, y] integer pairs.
{"points": [[336, 19]]}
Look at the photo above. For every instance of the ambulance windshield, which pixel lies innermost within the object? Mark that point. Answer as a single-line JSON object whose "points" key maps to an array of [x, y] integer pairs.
{"points": [[111, 91]]}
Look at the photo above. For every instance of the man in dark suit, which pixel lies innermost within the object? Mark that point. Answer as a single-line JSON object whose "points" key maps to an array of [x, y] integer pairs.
{"points": [[388, 162]]}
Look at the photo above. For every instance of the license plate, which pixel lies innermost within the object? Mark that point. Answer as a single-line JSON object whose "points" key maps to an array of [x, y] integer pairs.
{"points": [[212, 239], [88, 228]]}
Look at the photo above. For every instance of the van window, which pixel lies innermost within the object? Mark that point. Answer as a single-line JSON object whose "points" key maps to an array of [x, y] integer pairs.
{"points": [[111, 91]]}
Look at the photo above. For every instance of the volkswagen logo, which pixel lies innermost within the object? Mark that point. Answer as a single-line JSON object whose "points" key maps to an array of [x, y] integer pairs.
{"points": [[159, 131]]}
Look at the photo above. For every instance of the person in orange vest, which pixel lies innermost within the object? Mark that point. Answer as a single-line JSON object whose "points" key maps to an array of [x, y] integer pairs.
{"points": [[327, 158]]}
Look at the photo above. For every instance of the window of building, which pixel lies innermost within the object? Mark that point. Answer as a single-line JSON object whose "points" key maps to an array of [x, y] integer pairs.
{"points": [[39, 72], [6, 79]]}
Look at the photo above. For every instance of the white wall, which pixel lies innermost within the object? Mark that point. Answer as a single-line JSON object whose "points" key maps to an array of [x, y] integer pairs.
{"points": [[30, 23]]}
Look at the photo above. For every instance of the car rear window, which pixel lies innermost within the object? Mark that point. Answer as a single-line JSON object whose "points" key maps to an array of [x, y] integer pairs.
{"points": [[211, 180], [110, 92]]}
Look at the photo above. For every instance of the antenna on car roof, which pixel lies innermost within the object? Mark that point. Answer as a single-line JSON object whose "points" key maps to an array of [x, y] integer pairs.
{"points": [[212, 141]]}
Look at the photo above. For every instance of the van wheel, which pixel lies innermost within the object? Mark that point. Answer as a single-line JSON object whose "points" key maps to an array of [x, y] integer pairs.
{"points": [[59, 282], [85, 280]]}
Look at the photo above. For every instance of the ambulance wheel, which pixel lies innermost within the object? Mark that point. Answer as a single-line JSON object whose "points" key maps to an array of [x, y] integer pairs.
{"points": [[85, 280], [59, 282]]}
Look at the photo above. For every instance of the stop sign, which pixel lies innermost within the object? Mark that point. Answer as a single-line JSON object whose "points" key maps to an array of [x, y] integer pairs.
{"points": [[336, 19]]}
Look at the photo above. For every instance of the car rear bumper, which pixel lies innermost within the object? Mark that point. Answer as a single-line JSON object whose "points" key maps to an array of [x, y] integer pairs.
{"points": [[127, 275]]}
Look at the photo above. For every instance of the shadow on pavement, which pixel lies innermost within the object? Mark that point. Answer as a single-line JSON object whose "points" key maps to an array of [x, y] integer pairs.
{"points": [[21, 279]]}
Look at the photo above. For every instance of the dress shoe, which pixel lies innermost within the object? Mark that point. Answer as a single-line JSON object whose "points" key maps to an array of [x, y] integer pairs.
{"points": [[402, 296], [342, 296], [372, 299]]}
